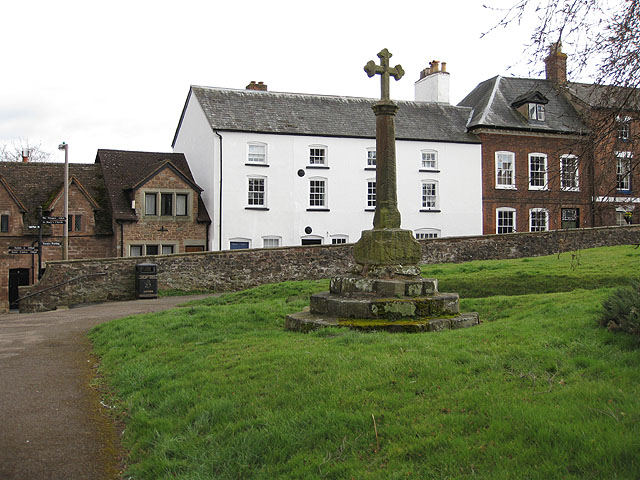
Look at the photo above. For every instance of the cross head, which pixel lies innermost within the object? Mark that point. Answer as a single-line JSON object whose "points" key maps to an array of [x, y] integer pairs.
{"points": [[384, 71]]}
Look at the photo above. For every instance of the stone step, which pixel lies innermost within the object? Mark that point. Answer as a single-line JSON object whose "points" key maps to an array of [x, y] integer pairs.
{"points": [[439, 304], [353, 285], [306, 321]]}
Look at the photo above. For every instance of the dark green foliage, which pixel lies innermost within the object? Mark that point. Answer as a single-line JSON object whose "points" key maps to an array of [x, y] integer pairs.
{"points": [[621, 309]]}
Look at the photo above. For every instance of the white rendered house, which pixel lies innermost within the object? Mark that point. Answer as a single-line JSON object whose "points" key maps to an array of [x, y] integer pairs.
{"points": [[290, 169]]}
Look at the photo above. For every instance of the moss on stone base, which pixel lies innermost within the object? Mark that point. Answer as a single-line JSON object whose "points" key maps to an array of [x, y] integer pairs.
{"points": [[389, 246]]}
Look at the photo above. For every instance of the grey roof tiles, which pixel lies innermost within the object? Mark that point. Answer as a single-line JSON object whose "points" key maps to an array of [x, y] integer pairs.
{"points": [[327, 116]]}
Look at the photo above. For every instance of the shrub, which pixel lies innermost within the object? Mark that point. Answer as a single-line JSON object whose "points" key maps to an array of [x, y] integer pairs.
{"points": [[621, 310]]}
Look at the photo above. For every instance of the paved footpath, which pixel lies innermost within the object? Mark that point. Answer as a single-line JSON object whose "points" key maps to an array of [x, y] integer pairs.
{"points": [[52, 425]]}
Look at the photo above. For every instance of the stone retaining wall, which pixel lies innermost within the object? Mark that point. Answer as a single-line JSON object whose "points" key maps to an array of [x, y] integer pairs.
{"points": [[239, 269]]}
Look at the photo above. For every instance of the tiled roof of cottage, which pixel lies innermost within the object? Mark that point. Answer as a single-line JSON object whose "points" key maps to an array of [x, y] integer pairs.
{"points": [[492, 103], [326, 116], [36, 184], [124, 170]]}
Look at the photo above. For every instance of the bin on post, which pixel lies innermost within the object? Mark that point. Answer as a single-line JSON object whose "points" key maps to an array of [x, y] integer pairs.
{"points": [[147, 280]]}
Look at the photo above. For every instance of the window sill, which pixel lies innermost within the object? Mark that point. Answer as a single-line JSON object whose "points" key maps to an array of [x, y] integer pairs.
{"points": [[430, 210], [318, 167], [624, 192], [318, 210], [429, 170], [249, 164], [570, 189], [256, 208], [506, 187], [538, 189], [370, 169]]}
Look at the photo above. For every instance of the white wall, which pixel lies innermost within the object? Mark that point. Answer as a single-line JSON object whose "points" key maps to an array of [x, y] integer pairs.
{"points": [[201, 148], [459, 182]]}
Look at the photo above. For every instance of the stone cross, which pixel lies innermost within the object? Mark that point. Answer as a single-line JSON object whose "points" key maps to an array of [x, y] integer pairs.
{"points": [[384, 71], [387, 249]]}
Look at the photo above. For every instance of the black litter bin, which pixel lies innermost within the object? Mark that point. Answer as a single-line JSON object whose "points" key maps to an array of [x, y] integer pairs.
{"points": [[147, 280]]}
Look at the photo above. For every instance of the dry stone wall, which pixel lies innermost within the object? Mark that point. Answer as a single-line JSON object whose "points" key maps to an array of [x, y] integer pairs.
{"points": [[97, 280]]}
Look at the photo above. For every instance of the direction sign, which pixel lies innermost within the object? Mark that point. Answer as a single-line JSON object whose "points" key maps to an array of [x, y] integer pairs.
{"points": [[26, 250], [56, 222], [34, 226], [53, 218], [51, 244]]}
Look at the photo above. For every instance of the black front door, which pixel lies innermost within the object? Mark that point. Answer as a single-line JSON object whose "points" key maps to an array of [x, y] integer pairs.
{"points": [[570, 218], [17, 277]]}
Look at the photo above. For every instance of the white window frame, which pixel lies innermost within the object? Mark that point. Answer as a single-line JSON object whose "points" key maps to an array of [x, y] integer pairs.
{"points": [[371, 196], [249, 191], [325, 203], [505, 210], [271, 239], [623, 157], [429, 164], [624, 128], [339, 239], [257, 158], [545, 171], [315, 160], [424, 195], [537, 228], [563, 171], [371, 157], [427, 233], [498, 163], [536, 111]]}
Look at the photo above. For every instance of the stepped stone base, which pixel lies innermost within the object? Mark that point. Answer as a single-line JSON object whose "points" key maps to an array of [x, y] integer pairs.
{"points": [[306, 321], [405, 304]]}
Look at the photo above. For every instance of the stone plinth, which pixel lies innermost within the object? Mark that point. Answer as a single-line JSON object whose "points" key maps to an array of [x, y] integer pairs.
{"points": [[396, 304]]}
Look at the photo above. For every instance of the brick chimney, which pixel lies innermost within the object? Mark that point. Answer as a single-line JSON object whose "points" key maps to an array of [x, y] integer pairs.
{"points": [[556, 64], [260, 86], [25, 155], [433, 85]]}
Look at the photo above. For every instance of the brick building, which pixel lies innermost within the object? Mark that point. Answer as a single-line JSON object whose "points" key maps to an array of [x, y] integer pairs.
{"points": [[107, 217], [555, 154]]}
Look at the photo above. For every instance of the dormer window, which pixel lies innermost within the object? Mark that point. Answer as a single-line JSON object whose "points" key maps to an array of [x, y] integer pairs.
{"points": [[531, 105], [536, 112]]}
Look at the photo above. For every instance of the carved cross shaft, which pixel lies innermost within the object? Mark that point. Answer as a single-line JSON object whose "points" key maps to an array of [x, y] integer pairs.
{"points": [[384, 71]]}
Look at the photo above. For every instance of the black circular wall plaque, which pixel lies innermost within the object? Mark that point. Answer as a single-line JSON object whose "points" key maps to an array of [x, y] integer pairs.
{"points": [[301, 173], [308, 230]]}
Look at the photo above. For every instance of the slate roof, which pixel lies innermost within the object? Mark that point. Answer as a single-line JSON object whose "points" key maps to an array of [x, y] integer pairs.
{"points": [[325, 116], [36, 184], [492, 103], [605, 96], [123, 170]]}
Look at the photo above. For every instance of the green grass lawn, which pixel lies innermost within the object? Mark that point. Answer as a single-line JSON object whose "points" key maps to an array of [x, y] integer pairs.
{"points": [[219, 389]]}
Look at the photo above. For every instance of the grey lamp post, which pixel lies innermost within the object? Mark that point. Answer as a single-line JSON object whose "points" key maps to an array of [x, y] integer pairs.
{"points": [[65, 228]]}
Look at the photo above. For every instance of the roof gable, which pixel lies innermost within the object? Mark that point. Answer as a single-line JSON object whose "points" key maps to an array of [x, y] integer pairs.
{"points": [[73, 180], [124, 171], [12, 194], [164, 166], [533, 96]]}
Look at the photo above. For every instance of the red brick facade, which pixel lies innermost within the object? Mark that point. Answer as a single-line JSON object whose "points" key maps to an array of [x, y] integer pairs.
{"points": [[522, 197]]}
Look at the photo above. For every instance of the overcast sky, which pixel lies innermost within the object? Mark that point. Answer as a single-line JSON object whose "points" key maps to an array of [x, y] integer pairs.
{"points": [[115, 74]]}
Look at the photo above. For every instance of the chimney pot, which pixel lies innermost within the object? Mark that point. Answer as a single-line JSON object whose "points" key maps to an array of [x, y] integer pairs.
{"points": [[260, 86]]}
